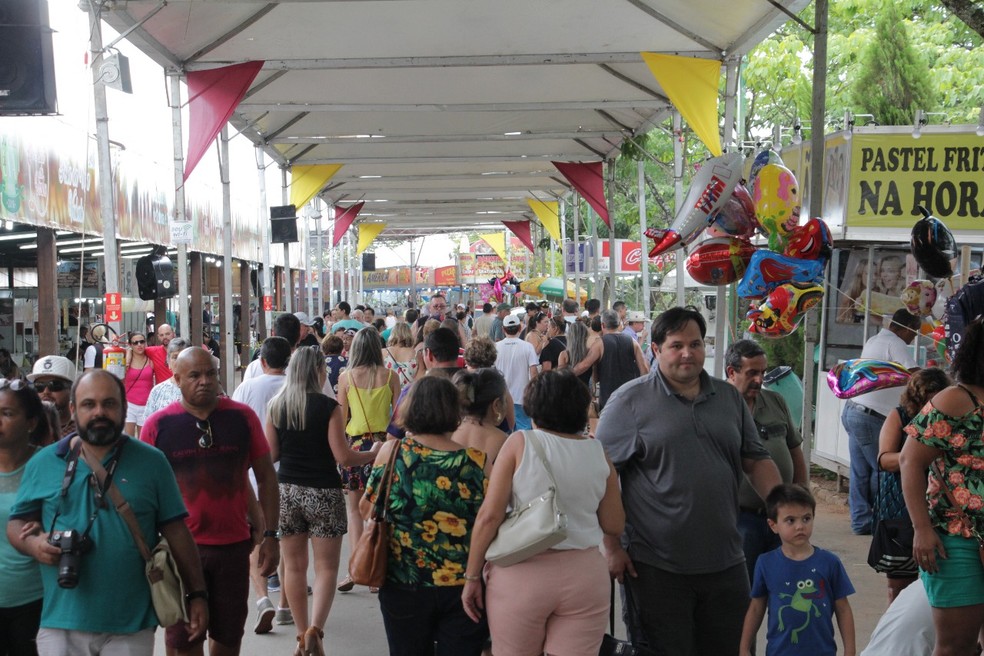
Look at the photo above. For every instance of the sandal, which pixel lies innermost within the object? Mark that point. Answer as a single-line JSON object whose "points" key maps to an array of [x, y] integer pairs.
{"points": [[346, 585], [313, 645]]}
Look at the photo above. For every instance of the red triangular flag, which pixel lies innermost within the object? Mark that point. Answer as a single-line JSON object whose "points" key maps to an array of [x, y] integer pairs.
{"points": [[213, 95], [587, 178], [344, 218], [522, 230]]}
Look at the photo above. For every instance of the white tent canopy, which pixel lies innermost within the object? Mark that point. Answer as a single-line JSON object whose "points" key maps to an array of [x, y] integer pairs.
{"points": [[444, 113]]}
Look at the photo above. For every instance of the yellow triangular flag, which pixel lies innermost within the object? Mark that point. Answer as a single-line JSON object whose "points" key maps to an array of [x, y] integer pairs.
{"points": [[497, 241], [308, 180], [692, 86], [367, 234], [549, 215]]}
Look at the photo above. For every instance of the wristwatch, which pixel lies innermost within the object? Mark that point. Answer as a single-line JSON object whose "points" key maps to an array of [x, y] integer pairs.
{"points": [[196, 594], [272, 534]]}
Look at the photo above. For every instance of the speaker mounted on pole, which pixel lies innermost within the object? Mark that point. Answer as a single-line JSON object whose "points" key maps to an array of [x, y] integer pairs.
{"points": [[27, 65], [283, 224], [155, 276]]}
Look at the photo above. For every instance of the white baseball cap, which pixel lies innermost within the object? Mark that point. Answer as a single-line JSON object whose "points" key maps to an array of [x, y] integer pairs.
{"points": [[635, 316], [511, 320], [304, 318], [53, 365]]}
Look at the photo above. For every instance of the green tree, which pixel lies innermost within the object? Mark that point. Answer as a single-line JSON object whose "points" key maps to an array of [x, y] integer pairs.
{"points": [[895, 79]]}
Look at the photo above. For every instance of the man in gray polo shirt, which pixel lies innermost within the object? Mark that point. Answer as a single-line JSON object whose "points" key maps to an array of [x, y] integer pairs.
{"points": [[681, 441]]}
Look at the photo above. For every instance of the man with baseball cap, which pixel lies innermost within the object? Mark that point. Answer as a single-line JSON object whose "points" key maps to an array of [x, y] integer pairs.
{"points": [[517, 360], [308, 337], [53, 377], [501, 312]]}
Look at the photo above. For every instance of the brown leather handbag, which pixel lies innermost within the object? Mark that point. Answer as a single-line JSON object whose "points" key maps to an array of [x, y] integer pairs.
{"points": [[367, 564]]}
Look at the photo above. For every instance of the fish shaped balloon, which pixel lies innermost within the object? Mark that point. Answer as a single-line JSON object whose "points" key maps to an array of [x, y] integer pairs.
{"points": [[781, 312], [719, 261], [810, 241], [710, 189], [768, 270], [856, 377], [933, 245], [775, 193]]}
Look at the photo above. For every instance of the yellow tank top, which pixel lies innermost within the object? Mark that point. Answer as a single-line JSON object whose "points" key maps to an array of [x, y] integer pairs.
{"points": [[369, 409]]}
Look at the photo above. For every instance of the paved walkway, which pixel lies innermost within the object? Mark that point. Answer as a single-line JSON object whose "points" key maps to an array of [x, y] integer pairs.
{"points": [[355, 625]]}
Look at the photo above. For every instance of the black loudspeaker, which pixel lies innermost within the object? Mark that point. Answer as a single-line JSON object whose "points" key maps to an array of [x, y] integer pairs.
{"points": [[368, 261], [155, 277], [27, 69], [283, 231]]}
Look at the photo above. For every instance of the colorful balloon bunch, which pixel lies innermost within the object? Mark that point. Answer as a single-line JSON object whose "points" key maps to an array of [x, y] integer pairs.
{"points": [[786, 278]]}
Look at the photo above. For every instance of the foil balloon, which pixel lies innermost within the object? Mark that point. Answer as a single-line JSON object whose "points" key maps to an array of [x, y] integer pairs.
{"points": [[767, 156], [919, 297], [933, 245], [710, 189], [853, 378], [737, 217], [779, 315], [810, 241], [768, 270], [776, 196], [719, 261]]}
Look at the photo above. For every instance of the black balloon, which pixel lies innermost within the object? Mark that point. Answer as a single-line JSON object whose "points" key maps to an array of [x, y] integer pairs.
{"points": [[933, 246]]}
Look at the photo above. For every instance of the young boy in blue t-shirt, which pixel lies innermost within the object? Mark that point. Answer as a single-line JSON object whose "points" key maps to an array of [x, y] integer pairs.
{"points": [[803, 586]]}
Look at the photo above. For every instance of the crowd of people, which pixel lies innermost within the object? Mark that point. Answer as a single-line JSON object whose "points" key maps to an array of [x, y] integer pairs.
{"points": [[687, 494]]}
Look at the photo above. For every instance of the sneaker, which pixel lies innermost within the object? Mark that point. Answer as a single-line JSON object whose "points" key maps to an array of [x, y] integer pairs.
{"points": [[273, 583], [310, 591], [264, 615], [284, 616]]}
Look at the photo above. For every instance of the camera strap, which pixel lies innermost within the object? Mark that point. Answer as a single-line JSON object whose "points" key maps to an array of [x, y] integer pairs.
{"points": [[99, 486]]}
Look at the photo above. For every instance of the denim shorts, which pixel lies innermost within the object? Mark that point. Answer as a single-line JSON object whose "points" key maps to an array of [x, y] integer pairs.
{"points": [[960, 580]]}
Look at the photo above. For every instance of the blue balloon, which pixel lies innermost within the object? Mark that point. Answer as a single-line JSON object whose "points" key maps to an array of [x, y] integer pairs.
{"points": [[768, 270]]}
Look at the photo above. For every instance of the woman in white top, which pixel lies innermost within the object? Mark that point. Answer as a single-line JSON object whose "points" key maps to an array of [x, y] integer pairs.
{"points": [[399, 354], [565, 601]]}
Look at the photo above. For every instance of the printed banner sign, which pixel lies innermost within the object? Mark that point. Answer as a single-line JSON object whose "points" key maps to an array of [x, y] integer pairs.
{"points": [[893, 174]]}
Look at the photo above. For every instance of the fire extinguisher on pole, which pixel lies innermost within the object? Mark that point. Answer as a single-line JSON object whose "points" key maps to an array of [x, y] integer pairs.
{"points": [[114, 358]]}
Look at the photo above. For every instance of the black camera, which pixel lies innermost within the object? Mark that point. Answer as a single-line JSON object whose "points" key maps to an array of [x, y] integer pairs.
{"points": [[72, 545]]}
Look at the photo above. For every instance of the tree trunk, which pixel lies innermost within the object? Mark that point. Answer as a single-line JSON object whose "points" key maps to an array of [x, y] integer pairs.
{"points": [[968, 11]]}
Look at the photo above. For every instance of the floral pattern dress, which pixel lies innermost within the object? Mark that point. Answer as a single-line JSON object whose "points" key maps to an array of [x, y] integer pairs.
{"points": [[962, 461], [433, 504]]}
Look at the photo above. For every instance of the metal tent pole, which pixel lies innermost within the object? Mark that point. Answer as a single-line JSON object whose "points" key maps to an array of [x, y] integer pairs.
{"points": [[228, 321]]}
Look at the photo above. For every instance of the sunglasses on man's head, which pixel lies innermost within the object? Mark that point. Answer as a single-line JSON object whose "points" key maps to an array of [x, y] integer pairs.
{"points": [[15, 384], [53, 385]]}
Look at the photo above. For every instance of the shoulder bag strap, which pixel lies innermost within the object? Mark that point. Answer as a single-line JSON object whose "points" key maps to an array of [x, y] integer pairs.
{"points": [[121, 504], [534, 440], [382, 499]]}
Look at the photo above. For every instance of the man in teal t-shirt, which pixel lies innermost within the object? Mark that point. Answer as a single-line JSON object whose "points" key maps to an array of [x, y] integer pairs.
{"points": [[109, 607]]}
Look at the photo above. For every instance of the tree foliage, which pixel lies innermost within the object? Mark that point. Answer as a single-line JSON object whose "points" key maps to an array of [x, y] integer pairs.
{"points": [[894, 81]]}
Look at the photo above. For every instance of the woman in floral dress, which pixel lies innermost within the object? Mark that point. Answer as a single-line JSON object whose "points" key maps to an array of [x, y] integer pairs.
{"points": [[947, 545], [437, 489]]}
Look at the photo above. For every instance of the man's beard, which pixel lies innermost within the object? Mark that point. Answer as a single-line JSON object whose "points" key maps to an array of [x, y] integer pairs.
{"points": [[105, 432]]}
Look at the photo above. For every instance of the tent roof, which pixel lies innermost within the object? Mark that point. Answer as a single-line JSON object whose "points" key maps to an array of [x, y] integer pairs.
{"points": [[446, 114]]}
